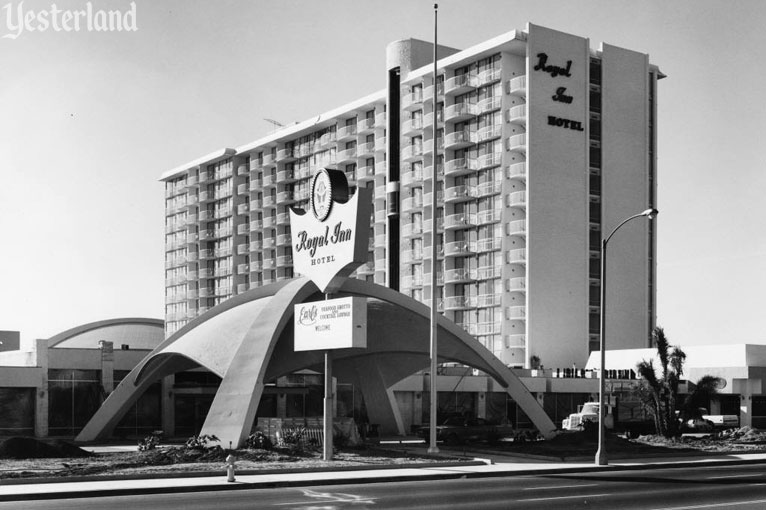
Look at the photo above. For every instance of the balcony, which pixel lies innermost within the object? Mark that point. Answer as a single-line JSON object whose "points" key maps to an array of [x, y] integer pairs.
{"points": [[517, 228], [204, 176], [285, 261], [460, 84], [428, 146], [489, 244], [488, 273], [458, 302], [487, 328], [206, 235], [380, 216], [428, 119], [243, 229], [269, 200], [428, 198], [458, 140], [518, 86], [256, 245], [412, 203], [410, 256], [518, 114], [517, 312], [243, 189], [412, 152], [205, 292], [206, 196], [286, 154], [489, 160], [488, 76], [256, 225], [365, 150], [269, 180], [285, 197], [428, 92], [192, 256], [411, 281], [460, 166], [460, 193], [458, 248], [269, 222], [461, 275], [412, 101], [517, 256], [412, 126], [243, 268], [488, 217], [489, 104], [380, 143], [256, 164], [365, 174], [486, 189], [380, 192], [243, 209], [518, 143], [459, 111], [380, 120], [192, 237], [518, 284], [192, 181], [489, 133], [517, 199], [518, 171], [459, 221], [379, 240], [346, 156], [268, 159], [283, 218], [283, 240], [206, 272], [365, 125], [345, 132], [286, 176], [412, 230], [243, 249], [255, 266], [428, 173]]}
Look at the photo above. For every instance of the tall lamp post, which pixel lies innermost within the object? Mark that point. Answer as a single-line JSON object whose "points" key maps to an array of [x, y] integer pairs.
{"points": [[601, 458]]}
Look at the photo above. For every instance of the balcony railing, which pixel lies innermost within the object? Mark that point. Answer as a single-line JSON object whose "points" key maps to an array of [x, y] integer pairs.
{"points": [[459, 193], [459, 111], [518, 114], [345, 132], [517, 171], [517, 256], [459, 275], [517, 312], [460, 166], [486, 189], [489, 133], [517, 228], [458, 139], [489, 244], [460, 84], [457, 248], [488, 76], [458, 221], [489, 104], [487, 217], [517, 199], [412, 152], [518, 143], [518, 284], [411, 229], [518, 86]]}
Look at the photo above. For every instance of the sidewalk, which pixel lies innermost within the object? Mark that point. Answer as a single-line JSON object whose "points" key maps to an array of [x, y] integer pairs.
{"points": [[483, 466]]}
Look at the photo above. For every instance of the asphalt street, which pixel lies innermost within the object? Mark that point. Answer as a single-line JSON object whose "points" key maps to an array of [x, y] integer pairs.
{"points": [[709, 487]]}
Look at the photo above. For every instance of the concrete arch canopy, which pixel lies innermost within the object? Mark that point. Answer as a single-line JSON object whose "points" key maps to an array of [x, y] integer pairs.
{"points": [[248, 341]]}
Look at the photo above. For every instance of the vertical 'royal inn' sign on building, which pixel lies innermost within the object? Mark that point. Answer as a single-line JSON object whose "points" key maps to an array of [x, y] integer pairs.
{"points": [[329, 242]]}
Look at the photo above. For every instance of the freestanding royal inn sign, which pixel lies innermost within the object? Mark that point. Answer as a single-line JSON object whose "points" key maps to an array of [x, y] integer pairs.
{"points": [[330, 241]]}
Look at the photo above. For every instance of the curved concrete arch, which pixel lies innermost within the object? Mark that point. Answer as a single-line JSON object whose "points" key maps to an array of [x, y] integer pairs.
{"points": [[259, 348], [150, 331]]}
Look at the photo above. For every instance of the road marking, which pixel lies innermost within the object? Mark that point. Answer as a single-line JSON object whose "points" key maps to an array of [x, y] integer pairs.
{"points": [[559, 487], [733, 476], [712, 505], [566, 497]]}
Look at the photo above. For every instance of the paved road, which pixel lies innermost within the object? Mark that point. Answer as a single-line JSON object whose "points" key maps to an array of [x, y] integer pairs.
{"points": [[732, 487]]}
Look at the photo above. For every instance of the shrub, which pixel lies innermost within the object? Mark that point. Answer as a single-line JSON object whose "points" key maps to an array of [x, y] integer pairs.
{"points": [[150, 442], [259, 441], [200, 442]]}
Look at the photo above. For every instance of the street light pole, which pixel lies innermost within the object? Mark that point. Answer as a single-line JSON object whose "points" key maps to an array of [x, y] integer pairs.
{"points": [[601, 457]]}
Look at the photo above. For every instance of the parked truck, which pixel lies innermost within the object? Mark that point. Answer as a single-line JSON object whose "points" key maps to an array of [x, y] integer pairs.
{"points": [[627, 417]]}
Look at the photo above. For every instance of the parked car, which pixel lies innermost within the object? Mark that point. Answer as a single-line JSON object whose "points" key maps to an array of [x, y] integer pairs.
{"points": [[455, 430]]}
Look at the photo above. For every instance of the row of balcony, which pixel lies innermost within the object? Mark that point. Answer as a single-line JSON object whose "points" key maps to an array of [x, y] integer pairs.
{"points": [[459, 84]]}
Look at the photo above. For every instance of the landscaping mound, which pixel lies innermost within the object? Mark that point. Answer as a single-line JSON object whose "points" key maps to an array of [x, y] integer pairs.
{"points": [[31, 448]]}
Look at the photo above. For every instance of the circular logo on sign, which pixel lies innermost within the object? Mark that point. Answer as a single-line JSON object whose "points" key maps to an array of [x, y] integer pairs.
{"points": [[321, 195]]}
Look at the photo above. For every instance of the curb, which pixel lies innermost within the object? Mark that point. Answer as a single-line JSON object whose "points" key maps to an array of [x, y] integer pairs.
{"points": [[361, 480]]}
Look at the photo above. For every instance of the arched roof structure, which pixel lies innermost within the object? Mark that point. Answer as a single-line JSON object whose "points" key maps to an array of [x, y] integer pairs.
{"points": [[248, 341], [136, 332]]}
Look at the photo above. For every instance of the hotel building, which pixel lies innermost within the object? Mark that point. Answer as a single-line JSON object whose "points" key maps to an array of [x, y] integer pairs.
{"points": [[544, 146]]}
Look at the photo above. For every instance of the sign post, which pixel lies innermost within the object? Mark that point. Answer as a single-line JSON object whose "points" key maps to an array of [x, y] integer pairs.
{"points": [[328, 246]]}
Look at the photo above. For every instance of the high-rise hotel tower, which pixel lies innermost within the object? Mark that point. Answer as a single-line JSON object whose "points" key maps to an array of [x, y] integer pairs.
{"points": [[544, 146]]}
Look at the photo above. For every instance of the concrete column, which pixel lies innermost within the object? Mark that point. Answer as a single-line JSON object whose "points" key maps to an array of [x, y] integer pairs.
{"points": [[41, 397], [281, 405], [107, 366], [746, 409], [168, 406]]}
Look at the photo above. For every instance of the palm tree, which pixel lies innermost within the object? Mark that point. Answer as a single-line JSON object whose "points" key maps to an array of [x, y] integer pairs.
{"points": [[699, 396], [660, 394]]}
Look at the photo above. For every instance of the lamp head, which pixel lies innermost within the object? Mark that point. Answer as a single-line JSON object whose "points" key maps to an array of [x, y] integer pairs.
{"points": [[650, 213]]}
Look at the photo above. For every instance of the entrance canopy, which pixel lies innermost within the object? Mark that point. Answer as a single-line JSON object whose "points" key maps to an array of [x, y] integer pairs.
{"points": [[248, 342]]}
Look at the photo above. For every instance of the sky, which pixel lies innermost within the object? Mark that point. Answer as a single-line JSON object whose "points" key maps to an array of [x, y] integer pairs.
{"points": [[90, 120]]}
